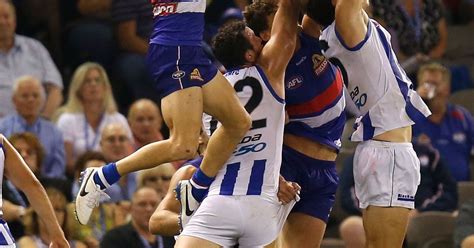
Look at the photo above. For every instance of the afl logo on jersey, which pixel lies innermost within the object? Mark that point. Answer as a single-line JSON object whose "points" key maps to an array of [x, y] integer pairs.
{"points": [[178, 74], [164, 9], [319, 63], [294, 83]]}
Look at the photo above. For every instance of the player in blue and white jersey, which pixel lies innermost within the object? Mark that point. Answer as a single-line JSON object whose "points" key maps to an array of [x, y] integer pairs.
{"points": [[242, 205], [315, 106], [386, 168], [188, 85], [14, 168], [165, 219]]}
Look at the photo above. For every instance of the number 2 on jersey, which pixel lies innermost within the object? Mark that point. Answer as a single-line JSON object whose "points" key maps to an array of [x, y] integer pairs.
{"points": [[255, 98], [251, 105]]}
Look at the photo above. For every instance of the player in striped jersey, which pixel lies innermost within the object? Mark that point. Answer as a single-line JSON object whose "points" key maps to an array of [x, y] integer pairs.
{"points": [[165, 219], [315, 106], [188, 85], [242, 206], [386, 168], [14, 168]]}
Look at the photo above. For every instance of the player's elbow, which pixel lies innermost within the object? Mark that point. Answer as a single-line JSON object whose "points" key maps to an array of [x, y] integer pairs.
{"points": [[154, 225], [157, 224]]}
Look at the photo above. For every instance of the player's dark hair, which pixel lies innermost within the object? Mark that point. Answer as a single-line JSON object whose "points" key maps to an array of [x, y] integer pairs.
{"points": [[256, 14], [321, 11], [229, 45]]}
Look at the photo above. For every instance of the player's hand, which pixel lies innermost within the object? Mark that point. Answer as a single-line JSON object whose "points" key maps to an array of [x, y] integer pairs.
{"points": [[288, 191], [59, 243]]}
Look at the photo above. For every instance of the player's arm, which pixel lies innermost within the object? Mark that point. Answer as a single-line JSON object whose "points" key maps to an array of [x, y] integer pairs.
{"points": [[21, 176], [351, 21], [279, 49], [310, 27], [165, 219]]}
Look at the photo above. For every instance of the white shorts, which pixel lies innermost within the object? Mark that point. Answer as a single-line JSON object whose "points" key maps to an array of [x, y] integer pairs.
{"points": [[249, 221], [386, 174]]}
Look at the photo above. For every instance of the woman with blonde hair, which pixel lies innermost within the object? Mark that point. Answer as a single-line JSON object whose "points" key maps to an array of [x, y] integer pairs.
{"points": [[90, 107]]}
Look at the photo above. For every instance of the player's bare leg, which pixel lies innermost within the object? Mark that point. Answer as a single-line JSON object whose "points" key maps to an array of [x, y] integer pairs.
{"points": [[385, 226], [226, 108], [298, 224], [221, 102], [182, 113]]}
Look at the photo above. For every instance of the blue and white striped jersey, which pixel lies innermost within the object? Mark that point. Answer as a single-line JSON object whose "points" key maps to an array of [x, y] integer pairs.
{"points": [[377, 85], [254, 167]]}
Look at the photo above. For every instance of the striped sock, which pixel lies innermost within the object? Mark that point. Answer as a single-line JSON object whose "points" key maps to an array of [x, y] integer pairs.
{"points": [[106, 176], [200, 183]]}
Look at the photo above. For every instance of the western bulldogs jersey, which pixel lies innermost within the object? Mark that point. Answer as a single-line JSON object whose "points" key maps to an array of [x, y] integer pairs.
{"points": [[254, 167], [178, 22], [314, 95], [376, 83]]}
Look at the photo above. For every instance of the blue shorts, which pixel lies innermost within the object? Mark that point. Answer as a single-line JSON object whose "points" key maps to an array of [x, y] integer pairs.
{"points": [[318, 180], [175, 68]]}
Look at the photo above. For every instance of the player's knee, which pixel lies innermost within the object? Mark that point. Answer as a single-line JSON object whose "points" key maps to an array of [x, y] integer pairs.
{"points": [[184, 149], [468, 242], [243, 124]]}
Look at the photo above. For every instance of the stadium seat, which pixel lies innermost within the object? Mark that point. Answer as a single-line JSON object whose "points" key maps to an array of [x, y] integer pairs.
{"points": [[465, 192], [431, 229]]}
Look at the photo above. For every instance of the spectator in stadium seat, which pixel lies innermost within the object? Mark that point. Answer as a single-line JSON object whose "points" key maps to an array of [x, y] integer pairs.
{"points": [[450, 128], [419, 30], [133, 24], [28, 98], [39, 237], [115, 144], [157, 178], [144, 118], [136, 233], [20, 55], [90, 107]]}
